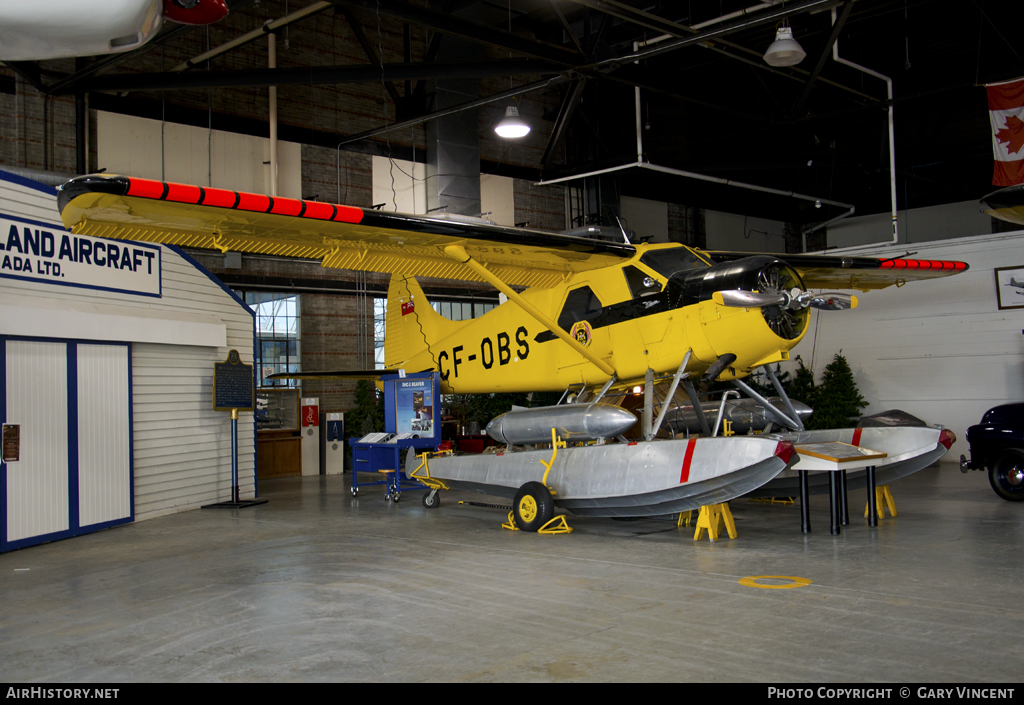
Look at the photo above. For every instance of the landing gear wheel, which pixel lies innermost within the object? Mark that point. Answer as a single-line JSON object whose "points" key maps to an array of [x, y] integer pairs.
{"points": [[432, 499], [1007, 475], [533, 506]]}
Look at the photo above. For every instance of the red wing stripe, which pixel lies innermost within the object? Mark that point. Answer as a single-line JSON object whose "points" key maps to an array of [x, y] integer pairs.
{"points": [[259, 203], [145, 188], [684, 476], [180, 193], [856, 436]]}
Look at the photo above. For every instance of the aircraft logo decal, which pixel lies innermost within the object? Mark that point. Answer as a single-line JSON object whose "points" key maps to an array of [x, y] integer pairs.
{"points": [[582, 332]]}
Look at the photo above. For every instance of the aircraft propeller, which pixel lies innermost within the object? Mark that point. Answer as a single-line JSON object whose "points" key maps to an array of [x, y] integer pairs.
{"points": [[795, 299]]}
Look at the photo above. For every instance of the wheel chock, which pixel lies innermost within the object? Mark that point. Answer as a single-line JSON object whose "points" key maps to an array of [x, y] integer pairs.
{"points": [[883, 499], [711, 518], [510, 524], [557, 525]]}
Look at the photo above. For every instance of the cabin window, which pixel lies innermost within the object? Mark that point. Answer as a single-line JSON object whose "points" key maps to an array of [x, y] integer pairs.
{"points": [[277, 335], [580, 305], [640, 283]]}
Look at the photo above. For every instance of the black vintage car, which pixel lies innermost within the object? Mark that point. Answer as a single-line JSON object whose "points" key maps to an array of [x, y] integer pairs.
{"points": [[997, 445]]}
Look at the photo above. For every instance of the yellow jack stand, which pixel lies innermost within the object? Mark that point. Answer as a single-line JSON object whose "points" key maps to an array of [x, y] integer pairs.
{"points": [[685, 518], [773, 500], [883, 499], [711, 518]]}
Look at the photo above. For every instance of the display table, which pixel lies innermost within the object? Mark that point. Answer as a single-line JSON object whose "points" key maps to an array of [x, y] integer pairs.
{"points": [[835, 458]]}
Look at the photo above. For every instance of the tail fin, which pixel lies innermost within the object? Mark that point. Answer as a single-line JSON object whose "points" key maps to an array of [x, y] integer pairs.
{"points": [[412, 323]]}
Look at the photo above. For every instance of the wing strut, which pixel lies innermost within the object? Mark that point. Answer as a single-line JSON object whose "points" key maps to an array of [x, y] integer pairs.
{"points": [[459, 254]]}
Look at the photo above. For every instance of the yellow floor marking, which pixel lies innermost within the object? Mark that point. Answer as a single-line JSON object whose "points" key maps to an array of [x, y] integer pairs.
{"points": [[752, 581]]}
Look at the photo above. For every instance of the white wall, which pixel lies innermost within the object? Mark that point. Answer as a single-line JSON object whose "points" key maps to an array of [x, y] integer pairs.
{"points": [[130, 146], [938, 349], [943, 222], [646, 218], [738, 233], [182, 448], [497, 198], [400, 185]]}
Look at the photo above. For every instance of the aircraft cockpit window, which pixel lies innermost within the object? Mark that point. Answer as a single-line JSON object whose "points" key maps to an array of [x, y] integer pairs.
{"points": [[640, 283], [673, 261], [580, 305]]}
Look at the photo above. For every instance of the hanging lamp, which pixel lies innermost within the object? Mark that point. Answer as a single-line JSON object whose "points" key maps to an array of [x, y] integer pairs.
{"points": [[784, 51], [512, 126]]}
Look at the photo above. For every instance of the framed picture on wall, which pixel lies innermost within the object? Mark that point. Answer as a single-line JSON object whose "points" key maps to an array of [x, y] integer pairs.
{"points": [[1010, 287]]}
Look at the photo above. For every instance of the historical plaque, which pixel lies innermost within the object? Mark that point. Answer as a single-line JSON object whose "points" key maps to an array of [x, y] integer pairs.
{"points": [[12, 443], [234, 386]]}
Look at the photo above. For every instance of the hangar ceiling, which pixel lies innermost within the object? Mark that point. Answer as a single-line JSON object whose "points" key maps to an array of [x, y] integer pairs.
{"points": [[709, 103]]}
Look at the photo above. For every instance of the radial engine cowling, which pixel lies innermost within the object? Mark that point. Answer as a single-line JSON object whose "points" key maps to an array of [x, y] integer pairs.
{"points": [[572, 422]]}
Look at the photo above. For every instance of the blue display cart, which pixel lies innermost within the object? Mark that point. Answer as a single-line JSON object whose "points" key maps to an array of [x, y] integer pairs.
{"points": [[412, 419]]}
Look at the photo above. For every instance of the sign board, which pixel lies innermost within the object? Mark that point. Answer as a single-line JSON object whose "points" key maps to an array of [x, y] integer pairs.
{"points": [[233, 385], [41, 252], [414, 407], [310, 411], [11, 443]]}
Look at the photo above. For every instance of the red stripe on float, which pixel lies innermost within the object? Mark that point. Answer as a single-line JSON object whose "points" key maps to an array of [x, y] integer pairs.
{"points": [[182, 193], [348, 214], [685, 474], [286, 206], [253, 202], [145, 188], [318, 211], [856, 436]]}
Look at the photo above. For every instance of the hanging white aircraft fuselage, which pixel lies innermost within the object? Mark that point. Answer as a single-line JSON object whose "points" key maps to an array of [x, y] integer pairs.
{"points": [[54, 29]]}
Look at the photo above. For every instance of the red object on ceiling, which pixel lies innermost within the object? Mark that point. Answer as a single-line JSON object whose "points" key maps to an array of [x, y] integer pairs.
{"points": [[202, 12]]}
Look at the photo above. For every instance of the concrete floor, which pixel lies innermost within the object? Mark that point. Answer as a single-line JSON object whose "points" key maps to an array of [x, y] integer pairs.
{"points": [[318, 586]]}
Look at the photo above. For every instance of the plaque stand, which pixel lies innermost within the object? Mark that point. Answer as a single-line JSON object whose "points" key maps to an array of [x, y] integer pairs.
{"points": [[235, 502]]}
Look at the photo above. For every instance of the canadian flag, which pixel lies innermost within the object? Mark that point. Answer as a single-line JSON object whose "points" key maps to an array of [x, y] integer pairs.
{"points": [[1006, 112]]}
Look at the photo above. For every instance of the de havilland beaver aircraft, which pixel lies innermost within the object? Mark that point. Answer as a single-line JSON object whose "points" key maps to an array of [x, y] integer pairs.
{"points": [[595, 317]]}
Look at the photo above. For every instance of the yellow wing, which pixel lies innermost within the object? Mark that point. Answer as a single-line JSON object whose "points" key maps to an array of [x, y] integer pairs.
{"points": [[860, 273], [343, 237]]}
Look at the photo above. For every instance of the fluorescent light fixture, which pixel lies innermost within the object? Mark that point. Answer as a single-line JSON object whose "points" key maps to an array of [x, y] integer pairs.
{"points": [[784, 51], [512, 126]]}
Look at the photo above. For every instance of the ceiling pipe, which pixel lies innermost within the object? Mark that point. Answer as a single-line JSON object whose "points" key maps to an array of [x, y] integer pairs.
{"points": [[269, 27], [272, 91], [892, 138]]}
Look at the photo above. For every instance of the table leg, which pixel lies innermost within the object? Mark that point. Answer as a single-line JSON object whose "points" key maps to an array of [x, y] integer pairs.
{"points": [[872, 509], [833, 502], [843, 499], [805, 509]]}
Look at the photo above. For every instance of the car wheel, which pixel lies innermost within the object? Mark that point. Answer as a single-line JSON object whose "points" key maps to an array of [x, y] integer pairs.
{"points": [[1007, 475]]}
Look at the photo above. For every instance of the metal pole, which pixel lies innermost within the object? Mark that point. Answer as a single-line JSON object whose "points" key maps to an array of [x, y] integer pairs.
{"points": [[872, 509], [844, 503], [805, 509], [234, 455], [833, 502], [670, 397]]}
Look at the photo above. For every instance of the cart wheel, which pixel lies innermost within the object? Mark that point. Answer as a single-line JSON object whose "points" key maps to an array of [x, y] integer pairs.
{"points": [[432, 499], [396, 496], [533, 506], [355, 491]]}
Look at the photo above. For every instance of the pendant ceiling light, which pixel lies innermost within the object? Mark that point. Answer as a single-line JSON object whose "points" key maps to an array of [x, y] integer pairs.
{"points": [[512, 126], [784, 51]]}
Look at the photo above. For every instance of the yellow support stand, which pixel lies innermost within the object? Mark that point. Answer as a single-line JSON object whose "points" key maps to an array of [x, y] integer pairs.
{"points": [[711, 518], [424, 477], [727, 428], [556, 443], [883, 499], [684, 518]]}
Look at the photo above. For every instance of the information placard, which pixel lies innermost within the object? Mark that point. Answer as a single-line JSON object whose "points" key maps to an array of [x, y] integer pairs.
{"points": [[233, 385], [414, 407], [11, 443]]}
